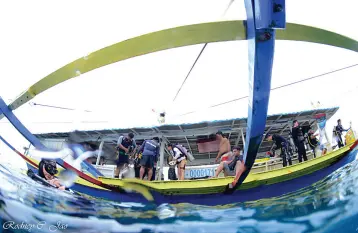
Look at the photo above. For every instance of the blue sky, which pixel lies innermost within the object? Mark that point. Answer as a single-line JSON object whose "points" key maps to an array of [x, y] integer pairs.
{"points": [[41, 36]]}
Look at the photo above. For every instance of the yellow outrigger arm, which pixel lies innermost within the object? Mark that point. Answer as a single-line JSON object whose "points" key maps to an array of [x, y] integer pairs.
{"points": [[174, 38]]}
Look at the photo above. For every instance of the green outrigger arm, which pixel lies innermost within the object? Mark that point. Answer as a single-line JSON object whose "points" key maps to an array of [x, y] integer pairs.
{"points": [[174, 38]]}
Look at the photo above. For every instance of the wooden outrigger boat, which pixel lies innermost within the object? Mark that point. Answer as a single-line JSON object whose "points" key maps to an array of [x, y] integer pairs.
{"points": [[260, 29], [214, 191]]}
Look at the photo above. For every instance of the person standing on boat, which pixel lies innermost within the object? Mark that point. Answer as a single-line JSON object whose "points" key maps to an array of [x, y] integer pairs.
{"points": [[150, 153], [125, 145], [299, 139], [172, 164], [224, 149], [338, 131], [180, 158], [280, 143], [312, 141]]}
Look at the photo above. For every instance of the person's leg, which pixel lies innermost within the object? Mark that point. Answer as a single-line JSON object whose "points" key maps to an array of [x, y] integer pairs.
{"points": [[239, 169], [141, 172], [150, 173], [340, 141], [137, 171], [179, 171], [154, 173], [143, 164], [284, 159], [219, 169], [304, 155], [182, 169], [184, 166], [314, 151], [118, 170], [299, 148]]}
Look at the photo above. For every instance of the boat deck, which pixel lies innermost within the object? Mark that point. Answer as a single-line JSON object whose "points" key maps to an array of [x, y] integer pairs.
{"points": [[254, 179]]}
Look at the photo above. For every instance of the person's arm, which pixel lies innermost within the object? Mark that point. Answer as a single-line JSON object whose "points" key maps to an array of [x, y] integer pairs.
{"points": [[57, 183]]}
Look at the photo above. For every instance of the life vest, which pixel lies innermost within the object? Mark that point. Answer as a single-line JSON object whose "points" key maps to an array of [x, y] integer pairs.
{"points": [[184, 152], [126, 143]]}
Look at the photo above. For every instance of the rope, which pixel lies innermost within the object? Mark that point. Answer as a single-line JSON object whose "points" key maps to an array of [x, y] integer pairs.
{"points": [[52, 106], [279, 87], [197, 58]]}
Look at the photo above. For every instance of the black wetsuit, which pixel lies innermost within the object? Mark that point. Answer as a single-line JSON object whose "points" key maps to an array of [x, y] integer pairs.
{"points": [[338, 131], [282, 144], [298, 138], [313, 142]]}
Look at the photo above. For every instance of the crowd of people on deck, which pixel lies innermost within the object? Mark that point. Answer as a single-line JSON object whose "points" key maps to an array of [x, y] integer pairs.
{"points": [[146, 157], [231, 160], [300, 139]]}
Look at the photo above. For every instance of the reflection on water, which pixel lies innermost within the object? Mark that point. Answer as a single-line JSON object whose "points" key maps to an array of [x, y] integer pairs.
{"points": [[330, 205]]}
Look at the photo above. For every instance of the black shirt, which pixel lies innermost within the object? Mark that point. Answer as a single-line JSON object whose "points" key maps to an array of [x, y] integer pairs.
{"points": [[279, 140], [313, 141], [232, 164], [297, 135]]}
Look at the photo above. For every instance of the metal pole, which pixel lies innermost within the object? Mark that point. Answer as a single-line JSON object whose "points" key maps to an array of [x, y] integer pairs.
{"points": [[243, 138], [161, 159], [99, 152]]}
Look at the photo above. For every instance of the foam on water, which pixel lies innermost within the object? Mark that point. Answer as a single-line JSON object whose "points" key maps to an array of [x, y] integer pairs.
{"points": [[330, 205]]}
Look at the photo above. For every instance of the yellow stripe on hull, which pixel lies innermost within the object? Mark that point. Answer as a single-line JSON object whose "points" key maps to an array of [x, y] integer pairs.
{"points": [[216, 185]]}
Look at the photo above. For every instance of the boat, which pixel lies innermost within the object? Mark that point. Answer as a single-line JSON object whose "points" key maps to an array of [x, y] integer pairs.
{"points": [[261, 32], [214, 191]]}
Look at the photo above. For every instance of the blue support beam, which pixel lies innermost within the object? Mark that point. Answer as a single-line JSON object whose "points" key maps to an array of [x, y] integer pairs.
{"points": [[4, 109], [263, 17]]}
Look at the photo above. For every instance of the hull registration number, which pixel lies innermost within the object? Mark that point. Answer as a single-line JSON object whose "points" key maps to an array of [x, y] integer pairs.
{"points": [[198, 173]]}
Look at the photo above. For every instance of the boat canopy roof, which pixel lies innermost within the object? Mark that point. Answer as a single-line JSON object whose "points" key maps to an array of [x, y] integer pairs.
{"points": [[190, 134]]}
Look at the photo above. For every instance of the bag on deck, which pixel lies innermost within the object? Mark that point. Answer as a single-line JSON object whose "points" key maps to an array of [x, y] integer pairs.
{"points": [[184, 151]]}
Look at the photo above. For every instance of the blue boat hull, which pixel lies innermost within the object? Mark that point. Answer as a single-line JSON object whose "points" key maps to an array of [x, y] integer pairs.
{"points": [[265, 191]]}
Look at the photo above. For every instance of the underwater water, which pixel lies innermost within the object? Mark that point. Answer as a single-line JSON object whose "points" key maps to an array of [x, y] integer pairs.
{"points": [[330, 205]]}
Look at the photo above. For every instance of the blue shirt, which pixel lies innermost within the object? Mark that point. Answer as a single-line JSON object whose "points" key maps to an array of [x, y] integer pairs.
{"points": [[150, 148]]}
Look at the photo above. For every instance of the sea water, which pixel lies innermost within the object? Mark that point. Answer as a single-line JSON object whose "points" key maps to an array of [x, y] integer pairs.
{"points": [[330, 205]]}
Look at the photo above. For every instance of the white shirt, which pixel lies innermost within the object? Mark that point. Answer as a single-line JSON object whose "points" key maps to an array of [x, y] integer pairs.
{"points": [[177, 154]]}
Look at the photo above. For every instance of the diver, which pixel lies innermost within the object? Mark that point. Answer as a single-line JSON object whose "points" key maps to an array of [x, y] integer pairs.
{"points": [[150, 154], [299, 139], [180, 157], [338, 131], [47, 171], [125, 146], [172, 164], [280, 143]]}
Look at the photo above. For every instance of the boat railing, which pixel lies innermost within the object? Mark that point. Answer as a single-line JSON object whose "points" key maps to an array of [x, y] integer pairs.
{"points": [[107, 171]]}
